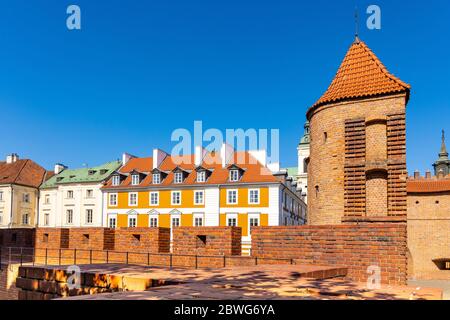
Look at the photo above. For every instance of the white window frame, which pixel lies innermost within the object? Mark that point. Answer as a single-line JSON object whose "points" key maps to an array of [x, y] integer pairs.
{"points": [[173, 217], [201, 177], [87, 216], [196, 216], [71, 216], [156, 178], [110, 217], [91, 196], [253, 216], [46, 219], [1, 217], [47, 199], [172, 193], [249, 195], [178, 177], [132, 216], [129, 199], [70, 194], [1, 196], [237, 196], [115, 181], [116, 196], [27, 222], [232, 178], [135, 181], [153, 216], [230, 216], [150, 198], [195, 197]]}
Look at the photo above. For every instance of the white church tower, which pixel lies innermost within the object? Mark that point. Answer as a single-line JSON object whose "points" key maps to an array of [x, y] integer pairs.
{"points": [[303, 160]]}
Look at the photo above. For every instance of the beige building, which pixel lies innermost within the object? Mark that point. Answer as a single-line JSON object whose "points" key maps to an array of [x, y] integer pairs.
{"points": [[429, 221], [19, 192]]}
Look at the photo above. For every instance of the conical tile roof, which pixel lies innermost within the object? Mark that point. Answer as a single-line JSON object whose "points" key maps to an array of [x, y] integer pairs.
{"points": [[361, 75]]}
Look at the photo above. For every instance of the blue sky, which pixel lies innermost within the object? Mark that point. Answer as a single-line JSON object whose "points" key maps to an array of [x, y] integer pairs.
{"points": [[140, 69]]}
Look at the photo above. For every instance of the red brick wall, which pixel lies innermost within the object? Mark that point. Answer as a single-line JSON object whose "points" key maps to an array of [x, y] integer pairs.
{"points": [[354, 246], [214, 241], [91, 238], [17, 238], [52, 238], [348, 140], [155, 240]]}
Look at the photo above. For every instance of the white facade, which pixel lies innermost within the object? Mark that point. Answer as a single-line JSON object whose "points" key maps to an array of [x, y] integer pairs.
{"points": [[74, 205], [303, 151]]}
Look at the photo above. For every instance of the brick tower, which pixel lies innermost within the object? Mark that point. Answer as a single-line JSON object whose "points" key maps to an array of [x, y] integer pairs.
{"points": [[357, 169]]}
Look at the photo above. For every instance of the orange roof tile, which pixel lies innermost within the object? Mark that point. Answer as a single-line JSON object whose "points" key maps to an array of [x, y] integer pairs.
{"points": [[428, 186], [254, 172], [138, 164], [22, 172], [361, 74]]}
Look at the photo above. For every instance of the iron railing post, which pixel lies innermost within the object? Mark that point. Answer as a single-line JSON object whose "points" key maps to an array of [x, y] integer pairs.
{"points": [[90, 257], [46, 255], [127, 258], [196, 261], [21, 256], [171, 262], [256, 261], [224, 261], [148, 258], [74, 256], [107, 257], [59, 256]]}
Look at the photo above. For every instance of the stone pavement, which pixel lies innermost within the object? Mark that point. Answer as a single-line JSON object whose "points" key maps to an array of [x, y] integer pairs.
{"points": [[260, 282], [442, 284]]}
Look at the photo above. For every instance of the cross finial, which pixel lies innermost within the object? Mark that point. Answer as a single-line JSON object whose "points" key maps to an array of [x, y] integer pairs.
{"points": [[356, 25]]}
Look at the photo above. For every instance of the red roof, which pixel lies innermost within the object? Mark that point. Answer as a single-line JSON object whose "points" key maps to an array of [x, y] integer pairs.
{"points": [[22, 172], [361, 74], [428, 185]]}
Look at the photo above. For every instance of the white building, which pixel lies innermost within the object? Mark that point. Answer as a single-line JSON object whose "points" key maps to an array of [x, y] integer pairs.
{"points": [[73, 197]]}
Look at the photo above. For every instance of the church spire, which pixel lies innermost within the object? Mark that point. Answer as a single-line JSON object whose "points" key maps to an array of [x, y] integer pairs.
{"points": [[443, 152], [442, 165]]}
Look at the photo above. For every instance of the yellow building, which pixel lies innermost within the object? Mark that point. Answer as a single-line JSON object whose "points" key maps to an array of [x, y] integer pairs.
{"points": [[202, 190]]}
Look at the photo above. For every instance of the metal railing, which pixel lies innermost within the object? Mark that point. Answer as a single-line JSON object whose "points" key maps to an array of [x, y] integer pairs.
{"points": [[60, 256]]}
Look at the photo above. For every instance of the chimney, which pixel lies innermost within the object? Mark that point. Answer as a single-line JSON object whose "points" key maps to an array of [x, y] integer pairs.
{"points": [[226, 154], [428, 174], [416, 174], [12, 158], [126, 157], [59, 168], [158, 157]]}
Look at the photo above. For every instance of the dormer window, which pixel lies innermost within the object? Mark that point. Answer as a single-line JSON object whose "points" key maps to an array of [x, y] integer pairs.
{"points": [[156, 178], [178, 177], [135, 179], [201, 176], [116, 180], [234, 175], [91, 172]]}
